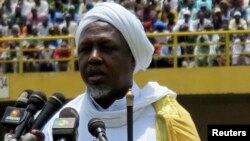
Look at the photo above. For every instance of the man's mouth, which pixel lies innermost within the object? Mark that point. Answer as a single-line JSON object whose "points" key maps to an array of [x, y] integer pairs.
{"points": [[96, 77]]}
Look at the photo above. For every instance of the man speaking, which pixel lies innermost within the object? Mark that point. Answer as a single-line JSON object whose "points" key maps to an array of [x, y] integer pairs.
{"points": [[112, 46]]}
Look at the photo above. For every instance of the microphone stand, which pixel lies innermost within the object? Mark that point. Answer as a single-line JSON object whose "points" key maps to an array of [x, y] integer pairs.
{"points": [[130, 100]]}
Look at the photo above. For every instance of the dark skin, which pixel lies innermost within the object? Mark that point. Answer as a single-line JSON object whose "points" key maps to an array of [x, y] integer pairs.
{"points": [[105, 59]]}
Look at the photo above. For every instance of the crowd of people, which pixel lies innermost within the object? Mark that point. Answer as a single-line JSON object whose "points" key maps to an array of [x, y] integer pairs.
{"points": [[30, 18], [199, 16]]}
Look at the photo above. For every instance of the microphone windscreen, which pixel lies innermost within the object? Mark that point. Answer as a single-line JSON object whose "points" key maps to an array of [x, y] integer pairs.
{"points": [[57, 99], [69, 112], [23, 98], [36, 101], [95, 123]]}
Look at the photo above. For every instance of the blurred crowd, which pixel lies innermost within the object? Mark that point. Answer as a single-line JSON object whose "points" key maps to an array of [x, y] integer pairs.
{"points": [[30, 18]]}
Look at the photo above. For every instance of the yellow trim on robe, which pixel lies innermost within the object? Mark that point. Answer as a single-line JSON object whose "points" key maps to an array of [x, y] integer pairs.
{"points": [[173, 122]]}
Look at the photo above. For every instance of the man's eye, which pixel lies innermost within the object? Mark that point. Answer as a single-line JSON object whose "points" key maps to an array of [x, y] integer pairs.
{"points": [[84, 49], [108, 47]]}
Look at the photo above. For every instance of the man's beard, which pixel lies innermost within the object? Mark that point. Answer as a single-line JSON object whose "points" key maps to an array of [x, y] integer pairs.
{"points": [[99, 92]]}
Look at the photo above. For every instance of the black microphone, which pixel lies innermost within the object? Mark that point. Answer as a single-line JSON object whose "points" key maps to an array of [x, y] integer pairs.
{"points": [[13, 114], [97, 129], [54, 103], [65, 127], [23, 98], [35, 103]]}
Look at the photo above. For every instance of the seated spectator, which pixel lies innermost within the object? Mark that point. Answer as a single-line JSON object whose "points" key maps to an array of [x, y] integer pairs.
{"points": [[190, 7], [201, 3], [30, 56], [217, 18], [17, 17], [12, 51], [73, 14], [70, 24], [166, 13], [56, 15], [54, 31], [167, 52], [201, 51], [41, 6], [160, 27], [225, 13], [185, 21], [43, 27], [3, 46], [63, 52], [5, 25], [185, 46], [34, 17], [185, 54], [26, 6], [173, 4], [80, 7], [246, 51], [221, 52], [171, 22], [47, 53], [8, 7], [199, 24], [203, 8], [147, 16], [213, 40], [237, 5], [237, 22], [248, 15], [237, 49]]}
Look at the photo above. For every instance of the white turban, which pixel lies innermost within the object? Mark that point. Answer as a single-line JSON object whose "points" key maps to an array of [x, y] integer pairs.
{"points": [[129, 26]]}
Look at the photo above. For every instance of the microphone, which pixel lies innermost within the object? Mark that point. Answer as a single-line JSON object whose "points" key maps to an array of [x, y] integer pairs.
{"points": [[13, 114], [35, 103], [65, 127], [54, 103], [34, 135], [97, 129], [22, 100]]}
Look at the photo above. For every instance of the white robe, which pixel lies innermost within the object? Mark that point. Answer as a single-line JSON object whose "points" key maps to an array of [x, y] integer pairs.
{"points": [[144, 116]]}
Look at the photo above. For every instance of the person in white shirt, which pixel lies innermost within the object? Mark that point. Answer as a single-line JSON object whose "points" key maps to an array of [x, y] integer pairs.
{"points": [[42, 7], [70, 24], [237, 22], [111, 47], [200, 23], [186, 20], [239, 47]]}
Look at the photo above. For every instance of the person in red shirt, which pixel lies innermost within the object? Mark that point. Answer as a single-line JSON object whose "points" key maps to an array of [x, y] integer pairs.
{"points": [[63, 52]]}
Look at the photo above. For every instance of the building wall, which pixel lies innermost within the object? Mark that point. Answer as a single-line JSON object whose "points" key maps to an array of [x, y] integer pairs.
{"points": [[217, 80]]}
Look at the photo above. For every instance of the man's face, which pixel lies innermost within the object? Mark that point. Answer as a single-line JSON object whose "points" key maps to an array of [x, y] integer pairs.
{"points": [[237, 17], [105, 61], [186, 17]]}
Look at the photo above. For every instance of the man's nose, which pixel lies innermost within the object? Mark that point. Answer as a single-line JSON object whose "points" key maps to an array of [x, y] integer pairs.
{"points": [[95, 56]]}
